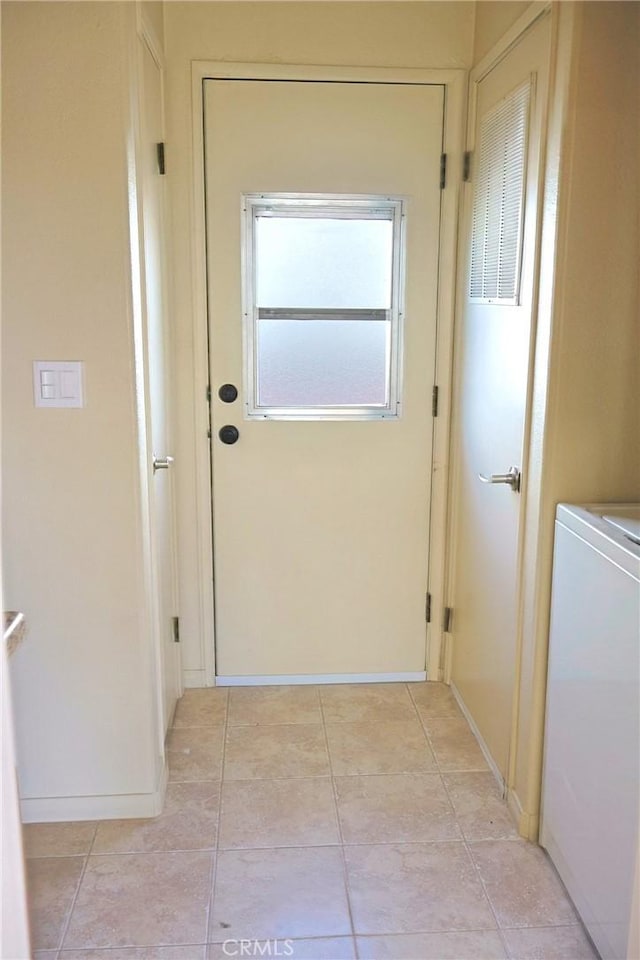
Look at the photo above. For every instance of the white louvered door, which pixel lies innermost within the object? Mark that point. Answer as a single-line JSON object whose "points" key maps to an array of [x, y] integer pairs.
{"points": [[501, 207]]}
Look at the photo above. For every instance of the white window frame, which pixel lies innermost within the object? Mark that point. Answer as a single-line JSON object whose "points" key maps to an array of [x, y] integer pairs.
{"points": [[323, 206]]}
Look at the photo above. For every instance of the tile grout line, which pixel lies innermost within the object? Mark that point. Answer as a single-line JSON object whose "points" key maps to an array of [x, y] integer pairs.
{"points": [[65, 928], [322, 776], [216, 852], [314, 723], [489, 900], [306, 846], [413, 702], [440, 772], [153, 853], [93, 838], [434, 933], [292, 846], [327, 776], [477, 872], [468, 844], [547, 926], [196, 726], [214, 849], [424, 728], [423, 723], [462, 834], [430, 932], [430, 745], [335, 801], [131, 946]]}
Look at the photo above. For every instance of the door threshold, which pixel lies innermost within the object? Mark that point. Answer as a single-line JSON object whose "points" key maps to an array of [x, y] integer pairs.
{"points": [[321, 678]]}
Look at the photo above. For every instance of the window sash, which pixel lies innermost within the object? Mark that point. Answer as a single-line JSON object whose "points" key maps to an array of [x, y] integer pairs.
{"points": [[325, 207]]}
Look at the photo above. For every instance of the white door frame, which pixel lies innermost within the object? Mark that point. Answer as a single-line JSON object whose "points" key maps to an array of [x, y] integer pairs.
{"points": [[536, 542], [148, 41], [454, 85], [141, 37]]}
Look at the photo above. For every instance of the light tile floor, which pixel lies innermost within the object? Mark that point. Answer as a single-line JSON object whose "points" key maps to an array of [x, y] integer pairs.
{"points": [[335, 822]]}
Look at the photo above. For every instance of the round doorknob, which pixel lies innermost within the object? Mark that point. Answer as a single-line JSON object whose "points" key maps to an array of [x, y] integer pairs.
{"points": [[228, 393], [228, 433]]}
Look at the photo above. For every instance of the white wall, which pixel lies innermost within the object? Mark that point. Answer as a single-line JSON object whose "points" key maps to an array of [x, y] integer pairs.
{"points": [[83, 681], [421, 35], [14, 922]]}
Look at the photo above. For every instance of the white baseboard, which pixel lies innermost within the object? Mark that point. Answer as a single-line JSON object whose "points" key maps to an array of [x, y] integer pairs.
{"points": [[194, 678], [485, 749], [320, 678], [103, 807]]}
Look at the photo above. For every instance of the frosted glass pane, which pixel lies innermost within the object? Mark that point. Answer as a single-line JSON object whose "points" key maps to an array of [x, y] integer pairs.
{"points": [[304, 262], [322, 363]]}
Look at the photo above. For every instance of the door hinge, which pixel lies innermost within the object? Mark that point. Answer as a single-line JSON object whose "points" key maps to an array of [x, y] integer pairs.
{"points": [[434, 402], [176, 629], [446, 619], [427, 609], [443, 170], [160, 155], [208, 393], [466, 166]]}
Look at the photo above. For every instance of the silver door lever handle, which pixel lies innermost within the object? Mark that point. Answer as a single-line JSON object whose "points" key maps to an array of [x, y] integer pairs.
{"points": [[512, 478], [162, 463]]}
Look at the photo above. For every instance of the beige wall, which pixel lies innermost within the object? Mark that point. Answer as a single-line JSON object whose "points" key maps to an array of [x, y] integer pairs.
{"points": [[590, 450], [152, 16], [421, 35], [72, 516], [14, 921], [413, 34], [493, 19], [596, 441]]}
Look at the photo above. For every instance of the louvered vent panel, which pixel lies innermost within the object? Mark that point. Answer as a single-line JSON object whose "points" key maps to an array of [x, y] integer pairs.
{"points": [[498, 203]]}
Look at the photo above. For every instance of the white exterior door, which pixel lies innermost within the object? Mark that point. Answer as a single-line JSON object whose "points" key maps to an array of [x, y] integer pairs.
{"points": [[323, 207], [158, 382], [493, 376]]}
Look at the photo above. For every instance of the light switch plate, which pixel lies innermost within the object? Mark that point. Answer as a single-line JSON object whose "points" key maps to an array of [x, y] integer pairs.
{"points": [[58, 383]]}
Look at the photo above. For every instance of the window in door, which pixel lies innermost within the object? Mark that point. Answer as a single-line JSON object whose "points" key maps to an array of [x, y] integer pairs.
{"points": [[323, 295]]}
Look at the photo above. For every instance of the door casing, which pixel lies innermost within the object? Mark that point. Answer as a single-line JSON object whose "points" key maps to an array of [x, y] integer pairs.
{"points": [[485, 688], [166, 665], [454, 84], [533, 596]]}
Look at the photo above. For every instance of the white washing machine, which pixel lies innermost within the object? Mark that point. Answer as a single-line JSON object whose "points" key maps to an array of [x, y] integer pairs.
{"points": [[590, 801]]}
